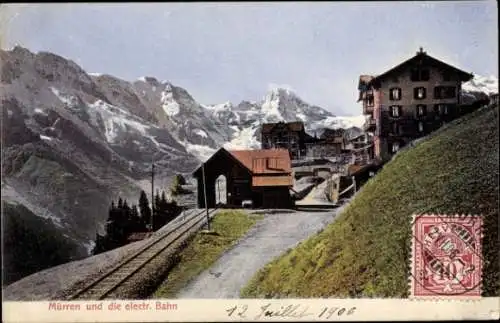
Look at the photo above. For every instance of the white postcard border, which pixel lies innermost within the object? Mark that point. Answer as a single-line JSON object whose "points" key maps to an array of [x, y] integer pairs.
{"points": [[234, 310]]}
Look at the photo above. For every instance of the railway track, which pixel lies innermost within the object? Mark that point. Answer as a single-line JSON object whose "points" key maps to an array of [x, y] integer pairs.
{"points": [[118, 275]]}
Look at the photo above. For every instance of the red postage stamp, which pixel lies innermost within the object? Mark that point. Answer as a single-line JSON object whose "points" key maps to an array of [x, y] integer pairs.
{"points": [[446, 256]]}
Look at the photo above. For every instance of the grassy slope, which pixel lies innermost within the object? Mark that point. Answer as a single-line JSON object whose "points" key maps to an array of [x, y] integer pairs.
{"points": [[205, 249], [365, 253]]}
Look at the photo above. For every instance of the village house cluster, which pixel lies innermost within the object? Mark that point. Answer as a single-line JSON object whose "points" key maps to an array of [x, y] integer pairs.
{"points": [[402, 104]]}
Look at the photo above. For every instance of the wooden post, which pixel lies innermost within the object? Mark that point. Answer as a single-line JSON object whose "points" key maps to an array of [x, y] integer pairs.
{"points": [[152, 191], [354, 183], [205, 194]]}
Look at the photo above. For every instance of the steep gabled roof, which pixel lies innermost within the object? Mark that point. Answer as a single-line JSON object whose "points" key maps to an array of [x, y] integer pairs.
{"points": [[264, 161], [422, 57], [268, 167], [364, 81], [223, 151]]}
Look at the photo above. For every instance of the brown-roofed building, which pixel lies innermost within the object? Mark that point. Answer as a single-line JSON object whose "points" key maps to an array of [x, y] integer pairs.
{"points": [[409, 101], [261, 176], [330, 143], [291, 136]]}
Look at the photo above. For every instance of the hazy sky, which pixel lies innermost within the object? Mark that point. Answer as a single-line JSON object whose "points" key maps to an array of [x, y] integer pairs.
{"points": [[234, 51]]}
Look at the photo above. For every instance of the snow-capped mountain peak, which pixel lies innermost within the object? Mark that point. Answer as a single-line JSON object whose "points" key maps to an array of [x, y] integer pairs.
{"points": [[149, 80]]}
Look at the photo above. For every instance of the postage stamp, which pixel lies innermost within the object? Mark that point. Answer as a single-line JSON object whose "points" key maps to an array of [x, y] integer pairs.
{"points": [[446, 256]]}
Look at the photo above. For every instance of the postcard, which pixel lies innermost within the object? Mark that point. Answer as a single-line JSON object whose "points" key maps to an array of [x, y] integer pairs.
{"points": [[257, 161]]}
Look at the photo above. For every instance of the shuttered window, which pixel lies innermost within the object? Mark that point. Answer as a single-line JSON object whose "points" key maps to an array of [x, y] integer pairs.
{"points": [[395, 147], [421, 110], [419, 93], [395, 93], [445, 92], [395, 111], [420, 74]]}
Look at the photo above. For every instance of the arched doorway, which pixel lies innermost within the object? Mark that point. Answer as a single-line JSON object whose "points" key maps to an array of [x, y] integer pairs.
{"points": [[221, 190]]}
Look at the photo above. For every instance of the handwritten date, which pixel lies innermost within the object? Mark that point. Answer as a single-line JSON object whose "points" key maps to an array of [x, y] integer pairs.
{"points": [[290, 311]]}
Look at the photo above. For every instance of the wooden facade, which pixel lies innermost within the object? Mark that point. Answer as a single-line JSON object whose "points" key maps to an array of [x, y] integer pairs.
{"points": [[261, 176], [409, 101], [290, 135], [330, 143]]}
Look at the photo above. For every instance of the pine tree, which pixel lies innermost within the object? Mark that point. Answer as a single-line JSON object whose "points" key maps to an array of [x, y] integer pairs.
{"points": [[145, 210], [135, 220], [127, 224], [101, 244], [180, 179], [114, 232], [163, 198], [157, 201]]}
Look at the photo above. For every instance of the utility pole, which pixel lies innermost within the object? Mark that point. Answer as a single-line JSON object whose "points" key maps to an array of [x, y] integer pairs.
{"points": [[205, 194], [152, 191]]}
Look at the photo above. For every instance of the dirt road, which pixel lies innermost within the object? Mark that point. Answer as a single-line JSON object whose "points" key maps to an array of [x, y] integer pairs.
{"points": [[269, 238]]}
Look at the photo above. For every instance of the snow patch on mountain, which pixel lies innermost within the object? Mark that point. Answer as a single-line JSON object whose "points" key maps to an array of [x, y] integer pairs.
{"points": [[246, 138], [40, 111], [271, 105], [201, 133], [169, 105], [202, 152], [46, 137], [68, 100], [488, 85], [116, 120], [340, 122]]}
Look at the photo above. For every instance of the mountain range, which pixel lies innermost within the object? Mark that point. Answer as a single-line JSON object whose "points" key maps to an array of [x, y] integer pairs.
{"points": [[73, 141]]}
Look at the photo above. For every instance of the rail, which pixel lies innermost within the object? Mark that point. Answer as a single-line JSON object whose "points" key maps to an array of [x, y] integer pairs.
{"points": [[101, 287]]}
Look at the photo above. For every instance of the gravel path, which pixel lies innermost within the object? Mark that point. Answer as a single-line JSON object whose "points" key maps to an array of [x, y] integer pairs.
{"points": [[269, 238]]}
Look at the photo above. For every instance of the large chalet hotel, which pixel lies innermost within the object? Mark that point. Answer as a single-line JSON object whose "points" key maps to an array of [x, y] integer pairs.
{"points": [[402, 104], [409, 101]]}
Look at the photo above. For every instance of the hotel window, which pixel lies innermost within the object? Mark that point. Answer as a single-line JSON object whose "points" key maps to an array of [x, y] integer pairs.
{"points": [[419, 74], [419, 93], [421, 110], [441, 109], [395, 147], [370, 101], [445, 92], [421, 127], [395, 94], [395, 128], [395, 111]]}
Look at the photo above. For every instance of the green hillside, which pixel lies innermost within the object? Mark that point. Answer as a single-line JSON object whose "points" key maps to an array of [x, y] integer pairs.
{"points": [[366, 252]]}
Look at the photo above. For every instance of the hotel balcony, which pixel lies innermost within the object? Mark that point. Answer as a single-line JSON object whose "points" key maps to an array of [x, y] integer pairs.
{"points": [[367, 109], [369, 125], [368, 104]]}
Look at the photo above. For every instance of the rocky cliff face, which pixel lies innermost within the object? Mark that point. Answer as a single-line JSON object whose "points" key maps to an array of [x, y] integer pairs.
{"points": [[70, 144]]}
